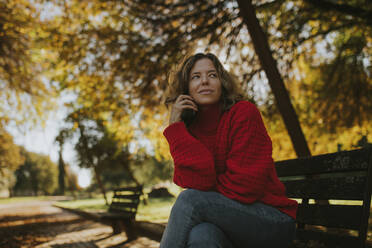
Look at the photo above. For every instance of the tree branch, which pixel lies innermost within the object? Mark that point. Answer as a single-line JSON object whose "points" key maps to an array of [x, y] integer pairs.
{"points": [[344, 9]]}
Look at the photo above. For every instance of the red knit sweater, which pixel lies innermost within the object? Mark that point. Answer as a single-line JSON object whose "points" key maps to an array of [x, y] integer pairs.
{"points": [[230, 153]]}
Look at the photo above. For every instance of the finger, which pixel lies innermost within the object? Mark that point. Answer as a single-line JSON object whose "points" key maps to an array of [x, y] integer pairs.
{"points": [[190, 107], [184, 97], [189, 103]]}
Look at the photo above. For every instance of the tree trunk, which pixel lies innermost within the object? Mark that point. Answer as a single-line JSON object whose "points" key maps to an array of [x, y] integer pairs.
{"points": [[90, 160], [130, 173], [11, 193], [61, 173], [268, 63], [262, 48], [100, 185]]}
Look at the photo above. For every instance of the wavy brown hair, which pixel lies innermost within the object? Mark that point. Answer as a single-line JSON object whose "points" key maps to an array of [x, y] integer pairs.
{"points": [[179, 81]]}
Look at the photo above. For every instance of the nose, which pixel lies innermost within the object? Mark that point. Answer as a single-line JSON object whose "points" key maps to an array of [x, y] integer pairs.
{"points": [[204, 79]]}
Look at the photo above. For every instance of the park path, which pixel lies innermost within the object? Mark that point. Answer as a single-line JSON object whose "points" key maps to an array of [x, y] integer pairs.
{"points": [[38, 224]]}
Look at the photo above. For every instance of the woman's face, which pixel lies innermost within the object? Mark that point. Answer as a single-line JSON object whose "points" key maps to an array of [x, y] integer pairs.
{"points": [[204, 84]]}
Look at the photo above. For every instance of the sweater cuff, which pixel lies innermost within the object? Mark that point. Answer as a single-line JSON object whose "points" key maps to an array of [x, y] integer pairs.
{"points": [[174, 130], [192, 180]]}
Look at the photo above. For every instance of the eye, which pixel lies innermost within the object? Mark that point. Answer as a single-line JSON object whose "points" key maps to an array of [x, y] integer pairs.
{"points": [[213, 75], [195, 76]]}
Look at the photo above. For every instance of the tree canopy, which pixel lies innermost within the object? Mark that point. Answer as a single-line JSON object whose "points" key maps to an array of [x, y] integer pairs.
{"points": [[37, 175], [23, 93], [115, 56]]}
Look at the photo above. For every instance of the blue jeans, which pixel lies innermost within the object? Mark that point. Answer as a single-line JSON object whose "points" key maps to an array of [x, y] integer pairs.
{"points": [[209, 219]]}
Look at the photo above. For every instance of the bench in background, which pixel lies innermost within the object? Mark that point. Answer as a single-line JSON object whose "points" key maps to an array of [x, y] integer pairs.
{"points": [[122, 211], [342, 175]]}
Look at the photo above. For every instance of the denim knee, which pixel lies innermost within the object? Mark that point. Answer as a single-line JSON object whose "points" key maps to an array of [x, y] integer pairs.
{"points": [[187, 199], [189, 196], [207, 235]]}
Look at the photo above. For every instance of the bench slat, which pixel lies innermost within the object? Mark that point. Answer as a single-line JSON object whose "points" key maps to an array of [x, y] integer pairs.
{"points": [[124, 205], [137, 189], [128, 211], [337, 188], [122, 211], [355, 160], [129, 197], [118, 215], [339, 216]]}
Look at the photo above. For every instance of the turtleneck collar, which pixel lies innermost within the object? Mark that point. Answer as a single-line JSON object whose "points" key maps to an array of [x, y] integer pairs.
{"points": [[207, 119]]}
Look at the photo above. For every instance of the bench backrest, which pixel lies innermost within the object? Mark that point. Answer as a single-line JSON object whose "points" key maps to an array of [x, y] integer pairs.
{"points": [[125, 201], [337, 176]]}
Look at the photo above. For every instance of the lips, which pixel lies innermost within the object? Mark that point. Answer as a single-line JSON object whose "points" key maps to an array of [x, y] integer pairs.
{"points": [[205, 92]]}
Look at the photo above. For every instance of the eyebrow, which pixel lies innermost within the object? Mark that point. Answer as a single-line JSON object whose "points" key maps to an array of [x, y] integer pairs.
{"points": [[197, 72]]}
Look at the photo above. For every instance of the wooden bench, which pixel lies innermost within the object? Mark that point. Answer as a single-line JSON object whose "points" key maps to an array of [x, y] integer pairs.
{"points": [[342, 175], [122, 211]]}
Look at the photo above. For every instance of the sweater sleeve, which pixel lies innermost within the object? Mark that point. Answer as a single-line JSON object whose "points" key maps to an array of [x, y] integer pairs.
{"points": [[249, 158], [193, 162]]}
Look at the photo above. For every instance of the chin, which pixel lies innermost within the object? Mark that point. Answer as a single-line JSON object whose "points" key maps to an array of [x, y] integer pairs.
{"points": [[206, 102]]}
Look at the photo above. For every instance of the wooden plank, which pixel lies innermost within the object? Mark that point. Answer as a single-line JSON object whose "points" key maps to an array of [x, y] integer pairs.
{"points": [[355, 160], [122, 201], [122, 212], [366, 202], [137, 189], [331, 240], [130, 197], [338, 188], [114, 215], [338, 216], [123, 205]]}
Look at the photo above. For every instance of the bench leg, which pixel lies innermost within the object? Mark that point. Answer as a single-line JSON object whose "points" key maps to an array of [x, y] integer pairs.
{"points": [[130, 229], [117, 227]]}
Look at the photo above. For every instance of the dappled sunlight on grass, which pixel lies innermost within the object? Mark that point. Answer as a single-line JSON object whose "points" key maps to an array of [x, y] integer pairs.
{"points": [[157, 210], [23, 199]]}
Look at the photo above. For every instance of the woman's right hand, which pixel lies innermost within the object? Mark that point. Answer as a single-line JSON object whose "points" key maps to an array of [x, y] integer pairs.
{"points": [[182, 102]]}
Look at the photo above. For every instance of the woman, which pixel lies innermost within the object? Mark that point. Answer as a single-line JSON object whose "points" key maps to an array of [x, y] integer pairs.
{"points": [[223, 156]]}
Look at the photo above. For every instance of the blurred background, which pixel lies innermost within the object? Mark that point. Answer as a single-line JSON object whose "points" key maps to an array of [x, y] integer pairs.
{"points": [[82, 85]]}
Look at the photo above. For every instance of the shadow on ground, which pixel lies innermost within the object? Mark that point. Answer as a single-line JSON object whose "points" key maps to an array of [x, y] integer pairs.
{"points": [[29, 231]]}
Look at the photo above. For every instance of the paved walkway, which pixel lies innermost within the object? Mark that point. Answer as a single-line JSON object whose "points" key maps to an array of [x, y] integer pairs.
{"points": [[40, 225]]}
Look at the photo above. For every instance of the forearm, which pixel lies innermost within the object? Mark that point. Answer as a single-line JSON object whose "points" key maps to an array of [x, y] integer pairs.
{"points": [[193, 162]]}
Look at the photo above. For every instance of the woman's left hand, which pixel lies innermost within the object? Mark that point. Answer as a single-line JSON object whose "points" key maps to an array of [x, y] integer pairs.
{"points": [[182, 102]]}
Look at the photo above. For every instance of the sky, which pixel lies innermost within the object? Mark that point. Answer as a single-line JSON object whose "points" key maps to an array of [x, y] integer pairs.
{"points": [[41, 140]]}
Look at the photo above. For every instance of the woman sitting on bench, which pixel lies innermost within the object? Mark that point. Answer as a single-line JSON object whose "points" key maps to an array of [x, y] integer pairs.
{"points": [[223, 156]]}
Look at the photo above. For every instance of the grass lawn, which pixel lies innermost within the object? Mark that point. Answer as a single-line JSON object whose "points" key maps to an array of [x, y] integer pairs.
{"points": [[157, 210], [93, 204]]}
